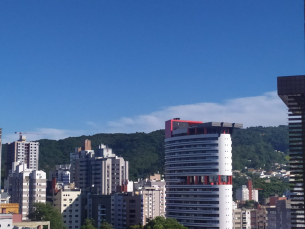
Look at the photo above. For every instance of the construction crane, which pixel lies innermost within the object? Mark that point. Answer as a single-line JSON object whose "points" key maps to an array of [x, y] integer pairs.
{"points": [[20, 133]]}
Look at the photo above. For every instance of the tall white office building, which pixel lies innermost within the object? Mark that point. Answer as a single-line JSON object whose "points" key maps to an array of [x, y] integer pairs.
{"points": [[198, 173]]}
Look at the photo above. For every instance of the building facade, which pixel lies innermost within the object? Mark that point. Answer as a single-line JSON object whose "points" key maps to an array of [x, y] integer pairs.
{"points": [[250, 218], [100, 168], [68, 202], [291, 89], [198, 173], [246, 192], [23, 151], [279, 215], [119, 209], [62, 174], [26, 187]]}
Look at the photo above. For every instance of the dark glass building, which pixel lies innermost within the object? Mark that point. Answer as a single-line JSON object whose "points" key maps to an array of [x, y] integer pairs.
{"points": [[291, 89]]}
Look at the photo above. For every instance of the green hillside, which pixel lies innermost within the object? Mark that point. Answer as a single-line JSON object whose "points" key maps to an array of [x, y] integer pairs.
{"points": [[252, 147]]}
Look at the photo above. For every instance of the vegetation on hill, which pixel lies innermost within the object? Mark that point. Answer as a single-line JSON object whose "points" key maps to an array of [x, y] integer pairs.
{"points": [[255, 147], [273, 187]]}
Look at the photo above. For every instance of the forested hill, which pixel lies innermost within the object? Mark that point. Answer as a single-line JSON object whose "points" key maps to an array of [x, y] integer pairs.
{"points": [[252, 147]]}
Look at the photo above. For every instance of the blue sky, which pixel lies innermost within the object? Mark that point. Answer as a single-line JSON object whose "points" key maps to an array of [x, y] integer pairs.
{"points": [[83, 67]]}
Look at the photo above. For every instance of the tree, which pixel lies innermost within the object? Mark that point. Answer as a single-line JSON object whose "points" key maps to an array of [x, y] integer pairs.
{"points": [[140, 226], [89, 224], [162, 223], [46, 212], [105, 225]]}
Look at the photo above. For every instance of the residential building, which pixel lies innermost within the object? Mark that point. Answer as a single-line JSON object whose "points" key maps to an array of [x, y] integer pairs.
{"points": [[26, 186], [68, 202], [249, 218], [291, 89], [151, 203], [99, 208], [246, 192], [79, 151], [198, 173], [99, 168], [279, 215], [119, 209], [154, 182], [22, 151], [62, 174]]}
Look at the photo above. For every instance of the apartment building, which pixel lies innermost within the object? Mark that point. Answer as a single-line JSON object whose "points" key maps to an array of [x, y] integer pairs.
{"points": [[26, 187], [246, 192], [100, 168], [79, 152], [68, 202], [151, 203], [279, 215], [23, 151], [153, 183], [61, 173], [198, 173], [249, 218], [119, 209]]}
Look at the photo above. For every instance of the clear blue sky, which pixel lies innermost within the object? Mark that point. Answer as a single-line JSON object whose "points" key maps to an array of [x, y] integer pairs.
{"points": [[66, 62]]}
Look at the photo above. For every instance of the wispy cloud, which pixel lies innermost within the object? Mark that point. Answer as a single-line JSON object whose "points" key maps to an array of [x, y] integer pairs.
{"points": [[44, 133], [264, 110]]}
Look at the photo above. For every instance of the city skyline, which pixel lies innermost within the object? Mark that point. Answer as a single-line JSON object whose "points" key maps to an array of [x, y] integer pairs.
{"points": [[82, 68]]}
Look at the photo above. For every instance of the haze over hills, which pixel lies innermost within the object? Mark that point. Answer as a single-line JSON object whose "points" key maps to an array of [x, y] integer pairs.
{"points": [[253, 147]]}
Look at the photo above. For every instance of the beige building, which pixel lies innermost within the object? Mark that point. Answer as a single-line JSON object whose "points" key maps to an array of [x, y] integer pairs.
{"points": [[151, 203], [154, 184], [68, 202]]}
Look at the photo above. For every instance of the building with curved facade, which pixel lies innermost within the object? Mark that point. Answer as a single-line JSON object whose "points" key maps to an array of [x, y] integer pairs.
{"points": [[198, 173]]}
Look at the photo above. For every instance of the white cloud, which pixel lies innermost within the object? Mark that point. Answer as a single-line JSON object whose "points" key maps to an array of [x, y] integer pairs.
{"points": [[44, 133], [264, 110]]}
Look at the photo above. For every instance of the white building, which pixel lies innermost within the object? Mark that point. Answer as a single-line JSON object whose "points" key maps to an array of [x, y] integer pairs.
{"points": [[198, 173], [26, 186], [22, 151], [6, 221], [68, 202], [246, 192]]}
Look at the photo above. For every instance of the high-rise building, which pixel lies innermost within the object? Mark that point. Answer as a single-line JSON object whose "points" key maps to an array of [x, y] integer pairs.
{"points": [[291, 89], [79, 151], [23, 151], [26, 186], [100, 168], [198, 173], [279, 215]]}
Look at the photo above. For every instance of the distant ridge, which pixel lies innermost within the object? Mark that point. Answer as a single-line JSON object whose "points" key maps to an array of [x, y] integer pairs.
{"points": [[253, 147]]}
